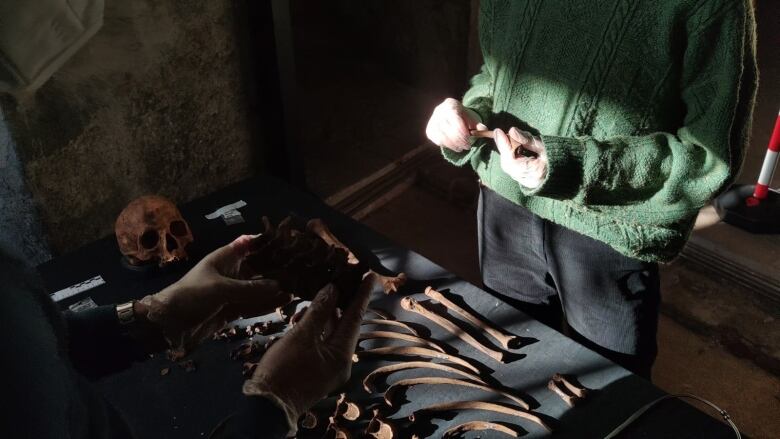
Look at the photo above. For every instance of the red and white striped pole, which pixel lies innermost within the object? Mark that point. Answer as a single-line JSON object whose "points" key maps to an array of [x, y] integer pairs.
{"points": [[768, 168]]}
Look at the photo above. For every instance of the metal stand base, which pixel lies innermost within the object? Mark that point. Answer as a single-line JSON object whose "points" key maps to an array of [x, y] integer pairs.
{"points": [[736, 207]]}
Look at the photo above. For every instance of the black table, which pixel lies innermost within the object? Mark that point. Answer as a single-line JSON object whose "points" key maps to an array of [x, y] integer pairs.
{"points": [[187, 405]]}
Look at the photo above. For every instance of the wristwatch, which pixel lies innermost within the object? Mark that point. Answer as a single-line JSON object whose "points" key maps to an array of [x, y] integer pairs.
{"points": [[125, 313]]}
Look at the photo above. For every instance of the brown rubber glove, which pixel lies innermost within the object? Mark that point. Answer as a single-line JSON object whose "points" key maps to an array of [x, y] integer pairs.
{"points": [[207, 297], [315, 357]]}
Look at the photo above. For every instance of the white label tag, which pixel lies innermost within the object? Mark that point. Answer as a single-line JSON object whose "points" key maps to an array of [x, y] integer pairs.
{"points": [[224, 209], [77, 288], [83, 305], [232, 217]]}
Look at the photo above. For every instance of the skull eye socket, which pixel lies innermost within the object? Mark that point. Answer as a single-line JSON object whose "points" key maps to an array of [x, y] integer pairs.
{"points": [[178, 229], [149, 239]]}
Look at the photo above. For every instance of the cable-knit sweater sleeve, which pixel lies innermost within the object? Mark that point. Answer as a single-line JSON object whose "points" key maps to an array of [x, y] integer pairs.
{"points": [[665, 177], [479, 97]]}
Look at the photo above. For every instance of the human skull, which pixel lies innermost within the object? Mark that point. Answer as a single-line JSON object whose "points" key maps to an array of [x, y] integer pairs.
{"points": [[151, 229]]}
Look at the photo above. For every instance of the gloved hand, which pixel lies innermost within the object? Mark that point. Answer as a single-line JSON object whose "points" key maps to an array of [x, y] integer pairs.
{"points": [[450, 125], [315, 357], [207, 297], [528, 171]]}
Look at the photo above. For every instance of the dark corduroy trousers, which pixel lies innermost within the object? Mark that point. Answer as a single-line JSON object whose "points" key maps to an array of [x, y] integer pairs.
{"points": [[601, 298]]}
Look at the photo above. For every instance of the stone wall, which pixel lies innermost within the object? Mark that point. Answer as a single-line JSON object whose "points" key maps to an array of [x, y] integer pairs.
{"points": [[152, 104]]}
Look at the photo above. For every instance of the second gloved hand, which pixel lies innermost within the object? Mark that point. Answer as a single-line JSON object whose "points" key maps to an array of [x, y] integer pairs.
{"points": [[315, 357]]}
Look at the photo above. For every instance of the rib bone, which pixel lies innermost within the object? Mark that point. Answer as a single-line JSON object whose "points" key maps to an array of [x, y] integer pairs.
{"points": [[414, 351], [412, 305], [391, 391], [368, 381], [399, 336], [504, 339], [458, 430], [480, 405], [391, 323]]}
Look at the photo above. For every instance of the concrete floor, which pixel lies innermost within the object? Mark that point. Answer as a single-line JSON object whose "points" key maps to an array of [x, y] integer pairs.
{"points": [[688, 361]]}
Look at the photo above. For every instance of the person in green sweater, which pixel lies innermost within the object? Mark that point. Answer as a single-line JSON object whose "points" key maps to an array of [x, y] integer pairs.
{"points": [[630, 116]]}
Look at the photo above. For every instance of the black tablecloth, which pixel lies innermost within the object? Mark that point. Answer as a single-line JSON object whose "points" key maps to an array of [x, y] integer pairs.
{"points": [[187, 405]]}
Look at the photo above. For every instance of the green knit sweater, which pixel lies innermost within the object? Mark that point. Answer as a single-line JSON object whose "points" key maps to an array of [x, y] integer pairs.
{"points": [[644, 107]]}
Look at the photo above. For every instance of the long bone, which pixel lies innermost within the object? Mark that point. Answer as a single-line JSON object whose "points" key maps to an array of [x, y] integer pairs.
{"points": [[368, 381], [412, 305], [410, 382], [399, 336], [390, 323], [480, 405], [459, 430], [504, 339], [414, 351]]}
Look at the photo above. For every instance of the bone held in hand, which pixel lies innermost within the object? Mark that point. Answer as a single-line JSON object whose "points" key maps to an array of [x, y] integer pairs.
{"points": [[459, 430], [480, 405], [414, 351], [390, 323], [410, 382], [368, 381], [506, 340], [390, 284], [319, 228], [412, 305]]}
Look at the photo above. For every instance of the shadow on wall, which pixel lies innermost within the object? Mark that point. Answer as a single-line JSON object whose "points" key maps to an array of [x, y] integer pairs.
{"points": [[152, 104]]}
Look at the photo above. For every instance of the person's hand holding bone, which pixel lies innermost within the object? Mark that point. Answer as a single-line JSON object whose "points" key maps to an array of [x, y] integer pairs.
{"points": [[529, 171], [314, 358], [450, 125], [207, 297]]}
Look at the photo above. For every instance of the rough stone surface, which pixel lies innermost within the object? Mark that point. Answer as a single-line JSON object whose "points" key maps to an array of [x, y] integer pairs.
{"points": [[152, 104]]}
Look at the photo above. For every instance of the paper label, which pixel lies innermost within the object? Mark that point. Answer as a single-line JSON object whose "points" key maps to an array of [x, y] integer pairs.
{"points": [[83, 305], [224, 209], [72, 290]]}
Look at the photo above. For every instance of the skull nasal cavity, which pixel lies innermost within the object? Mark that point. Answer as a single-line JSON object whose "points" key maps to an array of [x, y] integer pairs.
{"points": [[170, 242]]}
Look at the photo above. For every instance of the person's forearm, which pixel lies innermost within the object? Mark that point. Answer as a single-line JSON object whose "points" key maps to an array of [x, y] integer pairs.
{"points": [[98, 344]]}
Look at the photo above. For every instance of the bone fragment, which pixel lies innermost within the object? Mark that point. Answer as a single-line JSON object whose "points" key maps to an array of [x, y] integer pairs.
{"points": [[412, 305], [459, 430], [346, 409], [575, 390], [379, 428], [414, 351], [388, 322], [480, 405], [309, 421], [568, 399], [410, 382], [368, 381], [398, 336], [504, 339]]}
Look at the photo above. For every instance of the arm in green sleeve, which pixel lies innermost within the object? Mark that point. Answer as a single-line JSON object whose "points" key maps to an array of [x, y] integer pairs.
{"points": [[663, 177], [479, 97]]}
